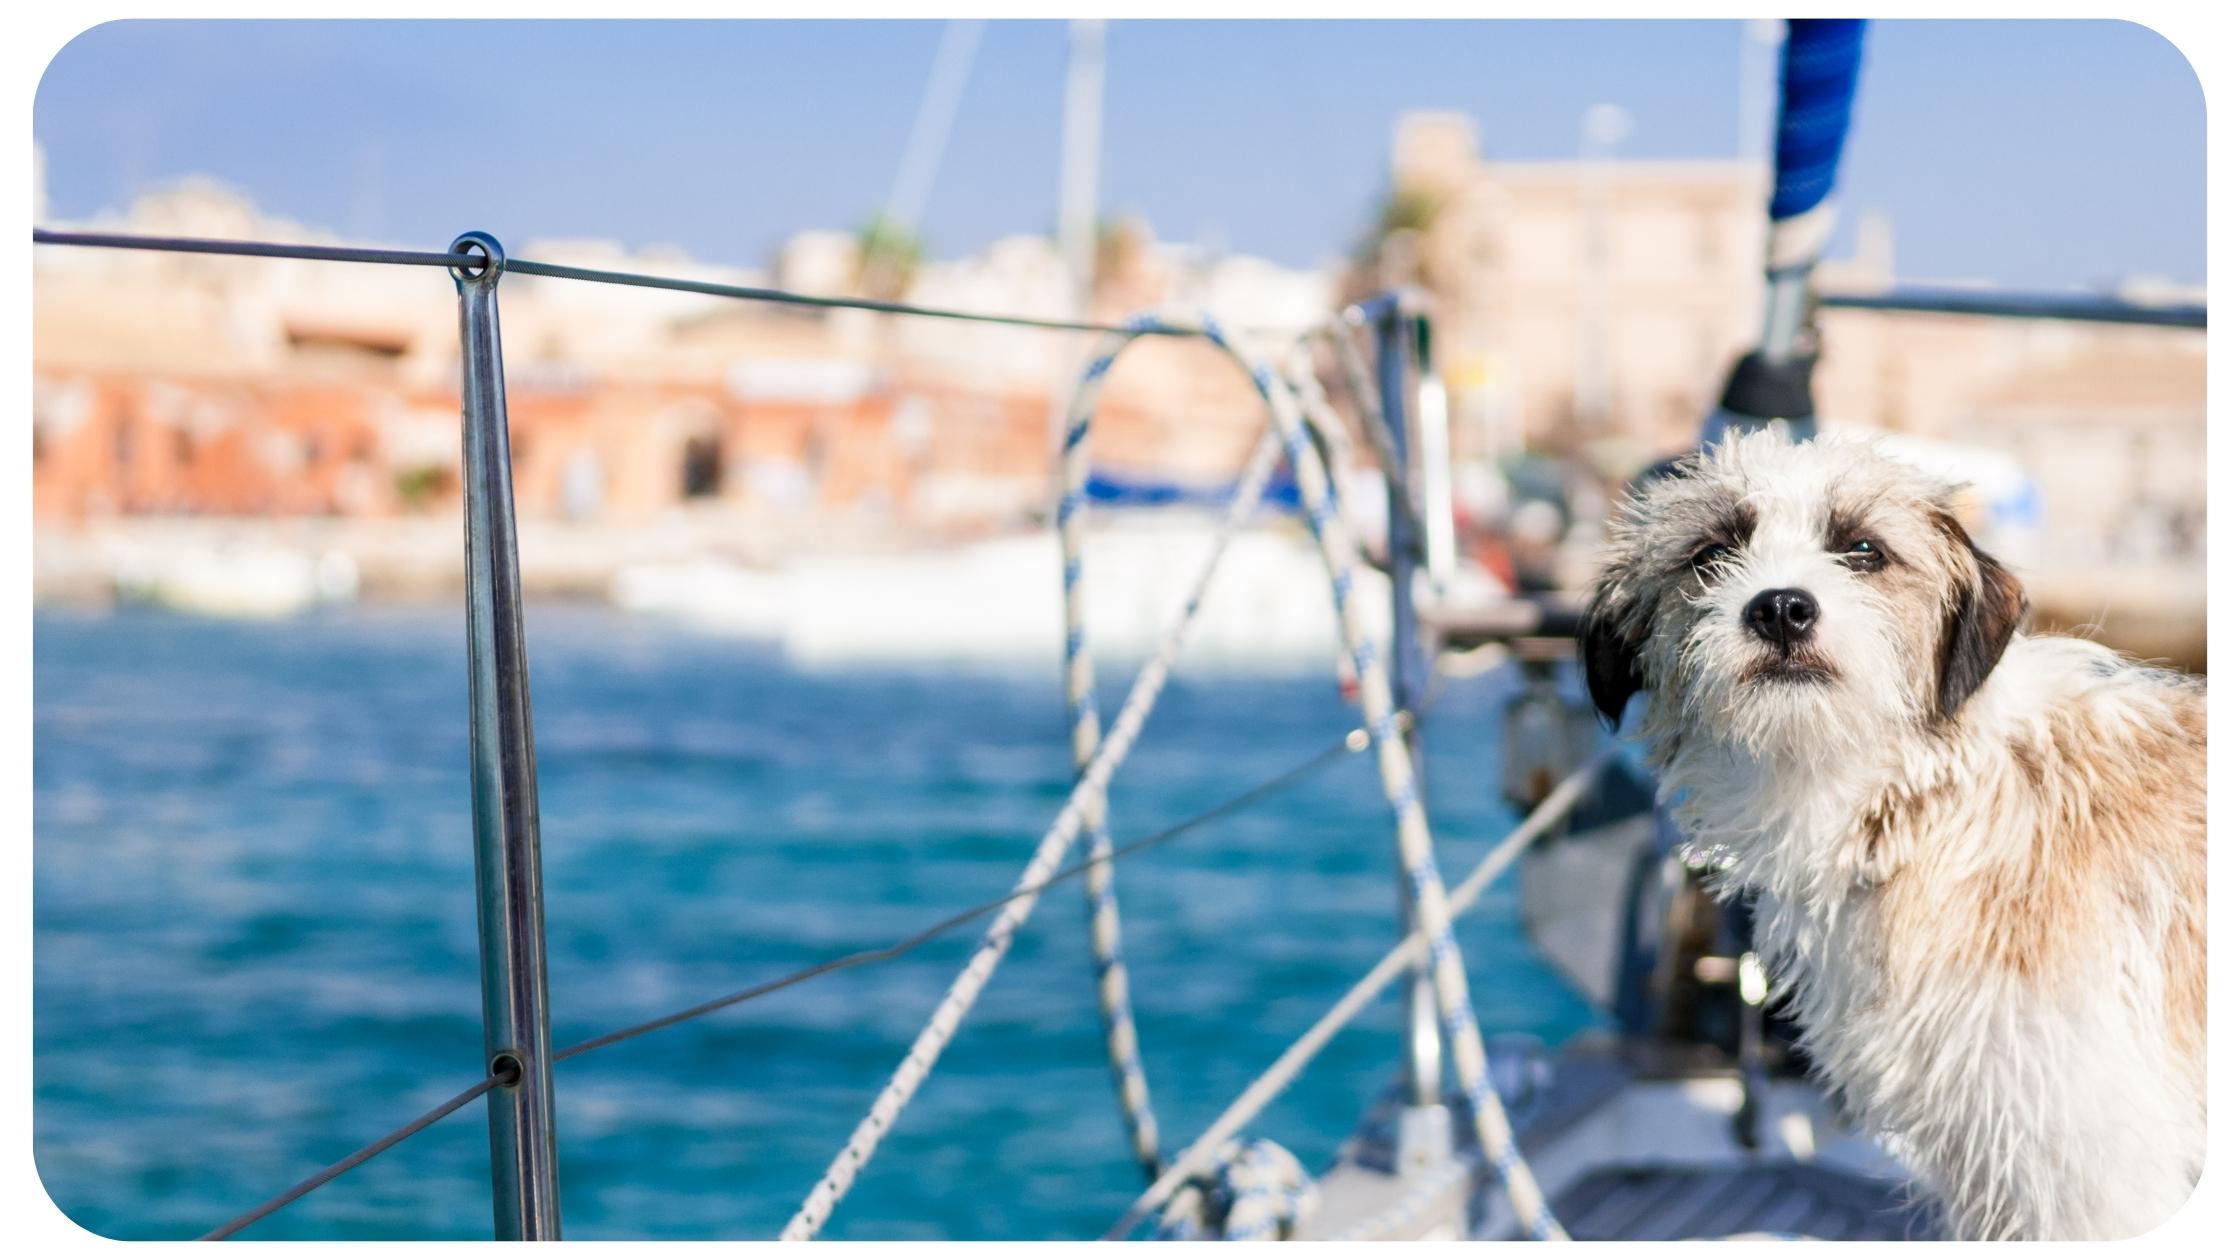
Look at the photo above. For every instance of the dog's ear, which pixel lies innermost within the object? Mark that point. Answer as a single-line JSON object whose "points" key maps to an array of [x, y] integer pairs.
{"points": [[1610, 638], [1985, 607]]}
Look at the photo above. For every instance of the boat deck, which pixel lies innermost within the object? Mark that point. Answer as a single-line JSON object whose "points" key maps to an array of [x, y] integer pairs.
{"points": [[1663, 1204], [1632, 1142]]}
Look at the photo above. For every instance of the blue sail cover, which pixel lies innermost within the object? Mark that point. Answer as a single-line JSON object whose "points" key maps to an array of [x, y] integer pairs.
{"points": [[1819, 73], [1122, 490]]}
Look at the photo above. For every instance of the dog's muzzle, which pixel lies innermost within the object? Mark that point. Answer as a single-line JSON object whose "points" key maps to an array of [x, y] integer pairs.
{"points": [[1783, 618]]}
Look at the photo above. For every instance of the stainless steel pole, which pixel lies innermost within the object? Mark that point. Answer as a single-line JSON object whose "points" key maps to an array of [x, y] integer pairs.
{"points": [[1395, 360], [509, 876]]}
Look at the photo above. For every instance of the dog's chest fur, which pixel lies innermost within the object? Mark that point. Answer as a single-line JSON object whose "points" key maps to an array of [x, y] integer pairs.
{"points": [[1992, 938]]}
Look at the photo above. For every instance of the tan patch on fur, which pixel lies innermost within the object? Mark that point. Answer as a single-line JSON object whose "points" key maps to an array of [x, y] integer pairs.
{"points": [[2185, 957], [1890, 818], [2026, 760], [2116, 818], [2185, 947]]}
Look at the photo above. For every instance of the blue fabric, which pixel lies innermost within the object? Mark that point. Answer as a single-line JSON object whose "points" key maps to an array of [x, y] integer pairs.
{"points": [[1819, 74], [1108, 487]]}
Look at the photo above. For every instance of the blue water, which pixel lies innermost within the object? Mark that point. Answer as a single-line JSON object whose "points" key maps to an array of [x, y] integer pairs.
{"points": [[254, 925]]}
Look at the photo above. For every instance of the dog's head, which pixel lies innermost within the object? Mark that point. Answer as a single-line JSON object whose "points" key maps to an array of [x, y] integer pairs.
{"points": [[1798, 598]]}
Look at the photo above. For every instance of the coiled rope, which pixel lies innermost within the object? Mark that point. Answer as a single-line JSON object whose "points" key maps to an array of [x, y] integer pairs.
{"points": [[1260, 1193]]}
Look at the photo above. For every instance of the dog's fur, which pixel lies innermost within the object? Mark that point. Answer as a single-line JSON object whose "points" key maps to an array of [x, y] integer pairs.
{"points": [[1979, 857]]}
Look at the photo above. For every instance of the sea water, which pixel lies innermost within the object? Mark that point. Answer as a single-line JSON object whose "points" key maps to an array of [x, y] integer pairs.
{"points": [[254, 924]]}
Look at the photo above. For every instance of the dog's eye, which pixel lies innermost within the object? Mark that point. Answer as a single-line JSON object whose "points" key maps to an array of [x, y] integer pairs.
{"points": [[1864, 555], [1711, 554]]}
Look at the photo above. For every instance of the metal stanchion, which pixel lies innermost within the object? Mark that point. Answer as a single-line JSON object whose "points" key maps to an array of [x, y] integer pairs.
{"points": [[509, 876], [1423, 1133]]}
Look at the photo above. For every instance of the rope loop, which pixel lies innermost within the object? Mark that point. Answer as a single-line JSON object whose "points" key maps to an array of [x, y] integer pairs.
{"points": [[1097, 758], [1428, 900], [1115, 1007], [1259, 1192]]}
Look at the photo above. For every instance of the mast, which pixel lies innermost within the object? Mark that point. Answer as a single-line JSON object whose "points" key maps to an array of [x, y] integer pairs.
{"points": [[1819, 73], [929, 130], [1079, 139], [1077, 159]]}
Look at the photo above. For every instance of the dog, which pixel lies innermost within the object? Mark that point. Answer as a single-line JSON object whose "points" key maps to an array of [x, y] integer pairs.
{"points": [[1979, 857]]}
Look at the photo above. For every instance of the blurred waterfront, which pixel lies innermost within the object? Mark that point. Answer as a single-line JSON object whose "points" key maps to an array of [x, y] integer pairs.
{"points": [[795, 627], [254, 915], [256, 436]]}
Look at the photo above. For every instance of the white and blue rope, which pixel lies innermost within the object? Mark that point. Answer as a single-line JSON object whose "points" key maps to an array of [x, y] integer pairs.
{"points": [[1113, 1003], [1341, 332], [1085, 802], [1259, 1193], [1395, 766], [1450, 986]]}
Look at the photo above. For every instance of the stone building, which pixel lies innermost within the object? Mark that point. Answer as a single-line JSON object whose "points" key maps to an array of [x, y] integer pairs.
{"points": [[1544, 347], [1579, 302]]}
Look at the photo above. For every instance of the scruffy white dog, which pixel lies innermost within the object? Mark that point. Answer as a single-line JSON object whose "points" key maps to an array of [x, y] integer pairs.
{"points": [[1979, 857]]}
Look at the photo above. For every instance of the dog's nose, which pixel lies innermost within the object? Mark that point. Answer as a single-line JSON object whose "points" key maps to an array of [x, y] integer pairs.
{"points": [[1783, 618]]}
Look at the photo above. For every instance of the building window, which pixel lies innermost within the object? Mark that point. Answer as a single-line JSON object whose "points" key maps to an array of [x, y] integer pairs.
{"points": [[703, 467]]}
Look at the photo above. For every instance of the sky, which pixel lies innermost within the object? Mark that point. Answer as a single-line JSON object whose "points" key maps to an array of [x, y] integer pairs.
{"points": [[2032, 154]]}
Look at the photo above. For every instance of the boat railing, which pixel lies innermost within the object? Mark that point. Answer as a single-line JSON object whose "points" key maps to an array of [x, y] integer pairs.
{"points": [[517, 1080]]}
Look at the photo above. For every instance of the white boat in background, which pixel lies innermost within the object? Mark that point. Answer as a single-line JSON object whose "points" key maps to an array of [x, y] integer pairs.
{"points": [[235, 579], [994, 601]]}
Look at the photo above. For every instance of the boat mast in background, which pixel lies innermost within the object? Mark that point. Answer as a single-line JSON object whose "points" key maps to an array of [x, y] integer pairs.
{"points": [[1077, 175], [1601, 129], [1077, 159], [929, 131]]}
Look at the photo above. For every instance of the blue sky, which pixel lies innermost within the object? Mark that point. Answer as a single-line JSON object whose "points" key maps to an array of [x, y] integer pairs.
{"points": [[2032, 154]]}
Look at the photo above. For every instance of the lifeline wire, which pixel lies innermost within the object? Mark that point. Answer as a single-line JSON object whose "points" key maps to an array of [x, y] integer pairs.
{"points": [[1354, 741], [557, 271], [355, 1158], [250, 249], [754, 294]]}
